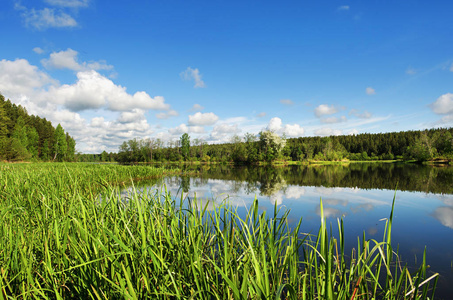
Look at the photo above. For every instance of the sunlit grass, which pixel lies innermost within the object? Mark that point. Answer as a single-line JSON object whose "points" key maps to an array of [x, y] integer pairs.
{"points": [[68, 233]]}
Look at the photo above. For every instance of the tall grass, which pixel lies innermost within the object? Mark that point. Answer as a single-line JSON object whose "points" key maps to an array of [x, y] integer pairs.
{"points": [[61, 240]]}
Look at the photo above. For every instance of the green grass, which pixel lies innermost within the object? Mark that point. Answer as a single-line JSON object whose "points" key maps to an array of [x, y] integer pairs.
{"points": [[67, 233]]}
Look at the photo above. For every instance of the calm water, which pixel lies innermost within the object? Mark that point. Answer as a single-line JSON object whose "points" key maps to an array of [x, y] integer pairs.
{"points": [[360, 193]]}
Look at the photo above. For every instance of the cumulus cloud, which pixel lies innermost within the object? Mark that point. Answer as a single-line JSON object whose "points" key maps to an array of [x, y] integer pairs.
{"points": [[193, 74], [286, 101], [324, 109], [203, 119], [98, 122], [92, 90], [275, 124], [131, 116], [38, 50], [444, 215], [68, 60], [326, 131], [294, 192], [370, 91], [443, 105], [196, 107], [168, 114], [196, 129], [123, 113], [18, 78], [222, 132], [294, 130], [183, 128]]}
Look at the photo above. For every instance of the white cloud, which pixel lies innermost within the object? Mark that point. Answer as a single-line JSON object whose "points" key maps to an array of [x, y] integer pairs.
{"points": [[275, 124], [92, 90], [68, 60], [68, 3], [168, 114], [196, 107], [370, 91], [343, 7], [18, 78], [294, 192], [446, 119], [203, 119], [329, 212], [123, 114], [261, 115], [46, 18], [183, 128], [193, 74], [324, 109], [98, 122], [38, 50], [353, 132], [131, 116], [62, 60], [326, 131], [223, 132], [444, 215], [196, 129], [443, 104], [332, 120], [286, 101], [294, 130], [364, 115]]}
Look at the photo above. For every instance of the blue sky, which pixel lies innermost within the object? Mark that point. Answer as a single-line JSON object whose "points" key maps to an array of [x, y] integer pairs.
{"points": [[110, 71]]}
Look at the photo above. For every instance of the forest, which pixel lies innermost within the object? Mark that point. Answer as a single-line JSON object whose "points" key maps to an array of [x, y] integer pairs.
{"points": [[25, 137], [267, 146]]}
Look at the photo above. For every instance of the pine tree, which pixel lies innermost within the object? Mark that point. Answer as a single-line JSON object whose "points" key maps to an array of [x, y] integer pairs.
{"points": [[60, 144]]}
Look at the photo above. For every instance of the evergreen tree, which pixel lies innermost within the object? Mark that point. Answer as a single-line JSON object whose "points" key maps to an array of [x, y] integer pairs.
{"points": [[61, 145], [70, 150]]}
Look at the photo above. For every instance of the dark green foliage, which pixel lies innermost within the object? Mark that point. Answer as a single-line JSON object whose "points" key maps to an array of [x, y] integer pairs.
{"points": [[412, 145], [29, 137], [185, 146]]}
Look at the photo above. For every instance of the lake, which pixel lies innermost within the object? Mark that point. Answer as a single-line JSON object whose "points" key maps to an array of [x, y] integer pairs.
{"points": [[361, 194]]}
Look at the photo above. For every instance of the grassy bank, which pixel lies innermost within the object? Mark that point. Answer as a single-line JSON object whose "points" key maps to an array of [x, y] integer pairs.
{"points": [[59, 240]]}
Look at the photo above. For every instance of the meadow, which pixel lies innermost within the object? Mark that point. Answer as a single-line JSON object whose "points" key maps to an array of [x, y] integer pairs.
{"points": [[68, 231]]}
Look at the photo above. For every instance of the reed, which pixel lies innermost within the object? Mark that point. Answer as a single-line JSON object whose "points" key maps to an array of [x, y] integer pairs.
{"points": [[68, 232]]}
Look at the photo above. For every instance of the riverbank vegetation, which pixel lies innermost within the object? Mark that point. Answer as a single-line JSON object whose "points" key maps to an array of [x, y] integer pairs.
{"points": [[25, 137], [68, 232], [419, 146]]}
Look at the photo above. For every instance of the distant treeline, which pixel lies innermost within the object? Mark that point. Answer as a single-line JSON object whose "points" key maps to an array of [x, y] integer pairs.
{"points": [[26, 137], [268, 146]]}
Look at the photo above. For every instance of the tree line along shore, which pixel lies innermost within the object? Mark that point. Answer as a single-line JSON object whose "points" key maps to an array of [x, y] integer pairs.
{"points": [[25, 137], [427, 145]]}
